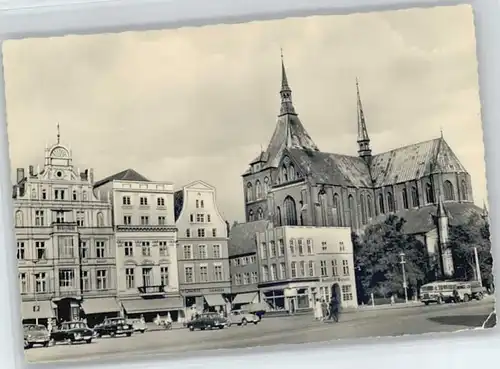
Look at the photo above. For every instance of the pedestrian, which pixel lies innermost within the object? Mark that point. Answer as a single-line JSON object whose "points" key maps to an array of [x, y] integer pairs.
{"points": [[324, 309], [319, 311], [392, 300], [334, 308]]}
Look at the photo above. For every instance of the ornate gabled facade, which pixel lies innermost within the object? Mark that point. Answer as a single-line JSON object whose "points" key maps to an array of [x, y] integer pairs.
{"points": [[292, 182], [65, 243]]}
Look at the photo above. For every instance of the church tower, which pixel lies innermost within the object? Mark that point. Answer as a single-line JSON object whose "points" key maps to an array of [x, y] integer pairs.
{"points": [[444, 251], [364, 149]]}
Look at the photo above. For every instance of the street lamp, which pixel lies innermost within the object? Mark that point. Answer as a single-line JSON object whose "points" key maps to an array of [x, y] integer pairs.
{"points": [[403, 262], [36, 307]]}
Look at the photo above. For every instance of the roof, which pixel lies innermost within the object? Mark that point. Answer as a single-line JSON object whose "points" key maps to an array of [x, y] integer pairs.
{"points": [[125, 175], [178, 203], [420, 220], [242, 237]]}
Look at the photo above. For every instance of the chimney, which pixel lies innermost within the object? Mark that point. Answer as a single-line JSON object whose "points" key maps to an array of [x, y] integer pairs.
{"points": [[31, 170], [20, 174], [91, 176], [85, 175]]}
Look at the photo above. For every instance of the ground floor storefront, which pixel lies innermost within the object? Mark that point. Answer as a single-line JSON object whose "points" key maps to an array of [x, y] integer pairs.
{"points": [[206, 299], [152, 308]]}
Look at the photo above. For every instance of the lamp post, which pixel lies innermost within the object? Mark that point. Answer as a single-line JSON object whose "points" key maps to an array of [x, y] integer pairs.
{"points": [[36, 307], [478, 268], [403, 262]]}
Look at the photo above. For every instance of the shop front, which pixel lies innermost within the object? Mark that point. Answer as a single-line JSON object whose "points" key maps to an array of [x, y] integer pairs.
{"points": [[291, 297], [211, 299], [344, 288], [37, 312], [151, 308], [98, 309]]}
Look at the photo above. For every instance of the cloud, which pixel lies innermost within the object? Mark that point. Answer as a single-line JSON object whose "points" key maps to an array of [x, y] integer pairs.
{"points": [[198, 103]]}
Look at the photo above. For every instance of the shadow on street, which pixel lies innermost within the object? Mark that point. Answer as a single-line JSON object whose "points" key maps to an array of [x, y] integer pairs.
{"points": [[472, 321]]}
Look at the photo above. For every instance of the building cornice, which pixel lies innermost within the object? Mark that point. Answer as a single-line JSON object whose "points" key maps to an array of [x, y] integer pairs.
{"points": [[145, 228]]}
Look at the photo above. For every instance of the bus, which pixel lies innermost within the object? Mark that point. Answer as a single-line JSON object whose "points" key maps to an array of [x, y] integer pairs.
{"points": [[442, 292]]}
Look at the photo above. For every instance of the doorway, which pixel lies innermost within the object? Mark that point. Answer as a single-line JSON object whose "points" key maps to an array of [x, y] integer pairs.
{"points": [[336, 292], [68, 309]]}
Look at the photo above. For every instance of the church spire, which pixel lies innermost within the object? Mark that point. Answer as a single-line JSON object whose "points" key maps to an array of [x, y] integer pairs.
{"points": [[58, 134], [285, 92], [363, 139]]}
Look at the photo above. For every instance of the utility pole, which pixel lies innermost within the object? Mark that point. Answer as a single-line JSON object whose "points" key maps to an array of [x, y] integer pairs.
{"points": [[405, 287], [478, 268]]}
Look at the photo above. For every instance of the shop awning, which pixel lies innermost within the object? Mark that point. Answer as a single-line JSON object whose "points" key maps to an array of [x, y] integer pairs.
{"points": [[137, 306], [37, 310], [100, 305], [259, 306], [245, 298], [214, 300]]}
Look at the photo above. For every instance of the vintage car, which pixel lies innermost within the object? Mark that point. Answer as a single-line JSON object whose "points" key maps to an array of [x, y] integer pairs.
{"points": [[139, 325], [114, 327], [36, 335], [207, 321], [72, 332], [241, 317]]}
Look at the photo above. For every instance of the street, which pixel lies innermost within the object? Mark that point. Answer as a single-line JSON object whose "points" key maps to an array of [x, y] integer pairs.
{"points": [[271, 331]]}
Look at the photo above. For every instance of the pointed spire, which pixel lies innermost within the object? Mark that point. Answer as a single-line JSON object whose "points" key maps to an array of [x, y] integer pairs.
{"points": [[485, 213], [363, 139], [58, 134], [285, 92]]}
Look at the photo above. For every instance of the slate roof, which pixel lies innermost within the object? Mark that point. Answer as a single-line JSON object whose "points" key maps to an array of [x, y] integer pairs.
{"points": [[242, 237], [124, 175], [178, 203], [420, 220]]}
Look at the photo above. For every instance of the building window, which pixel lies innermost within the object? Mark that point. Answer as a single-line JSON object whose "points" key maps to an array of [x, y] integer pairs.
{"points": [[310, 249], [217, 252], [214, 232], [66, 278], [341, 246], [449, 194], [274, 272], [146, 248], [265, 273], [369, 206], [188, 233], [128, 248], [201, 232], [260, 214], [100, 249], [352, 211], [345, 267], [209, 218], [40, 250], [59, 216], [23, 283], [390, 202], [464, 191], [188, 274], [323, 270], [129, 278], [164, 276], [188, 254], [218, 276], [253, 259], [143, 201], [21, 251], [237, 279], [160, 201], [19, 218], [255, 277], [191, 218], [161, 220], [429, 193], [59, 194], [311, 268], [324, 246], [250, 216], [147, 277], [84, 195], [163, 248], [66, 247], [202, 250], [282, 271], [100, 220], [144, 220], [381, 204], [272, 249], [277, 217], [85, 280], [292, 246], [44, 194], [263, 250], [404, 195], [39, 218], [249, 192], [362, 204], [300, 243], [290, 211], [74, 196], [414, 197], [258, 190], [294, 269], [84, 250], [302, 268], [347, 292], [200, 218], [203, 273], [246, 278], [202, 204], [335, 269], [126, 200], [80, 218], [40, 282], [127, 219], [281, 247], [336, 211], [102, 279]]}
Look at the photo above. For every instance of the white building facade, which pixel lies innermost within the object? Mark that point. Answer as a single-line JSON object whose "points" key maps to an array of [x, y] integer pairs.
{"points": [[65, 243], [204, 278], [300, 264], [146, 236]]}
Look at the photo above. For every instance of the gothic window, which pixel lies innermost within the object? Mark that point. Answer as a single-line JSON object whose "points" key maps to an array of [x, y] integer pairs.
{"points": [[429, 193], [362, 204], [290, 211], [323, 208], [369, 206], [260, 214], [284, 172], [336, 211], [258, 190], [250, 215], [44, 194], [33, 193], [291, 172], [381, 204], [266, 185], [352, 217], [404, 195], [390, 202], [464, 192], [19, 218], [100, 220], [414, 197], [278, 216], [448, 191], [249, 192]]}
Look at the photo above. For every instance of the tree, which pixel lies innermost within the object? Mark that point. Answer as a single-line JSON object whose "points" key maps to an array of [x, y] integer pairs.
{"points": [[475, 233], [377, 259]]}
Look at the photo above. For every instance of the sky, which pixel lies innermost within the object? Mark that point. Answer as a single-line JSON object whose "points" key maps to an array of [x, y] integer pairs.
{"points": [[199, 103]]}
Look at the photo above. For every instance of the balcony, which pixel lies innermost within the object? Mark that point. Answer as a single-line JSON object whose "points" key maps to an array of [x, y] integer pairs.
{"points": [[64, 227], [152, 290]]}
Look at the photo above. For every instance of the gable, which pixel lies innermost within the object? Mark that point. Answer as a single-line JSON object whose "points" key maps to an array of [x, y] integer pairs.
{"points": [[199, 185]]}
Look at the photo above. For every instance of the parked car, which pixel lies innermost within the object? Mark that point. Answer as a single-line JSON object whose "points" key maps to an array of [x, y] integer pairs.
{"points": [[72, 332], [114, 327], [36, 335], [207, 321], [478, 291], [241, 317], [138, 324]]}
